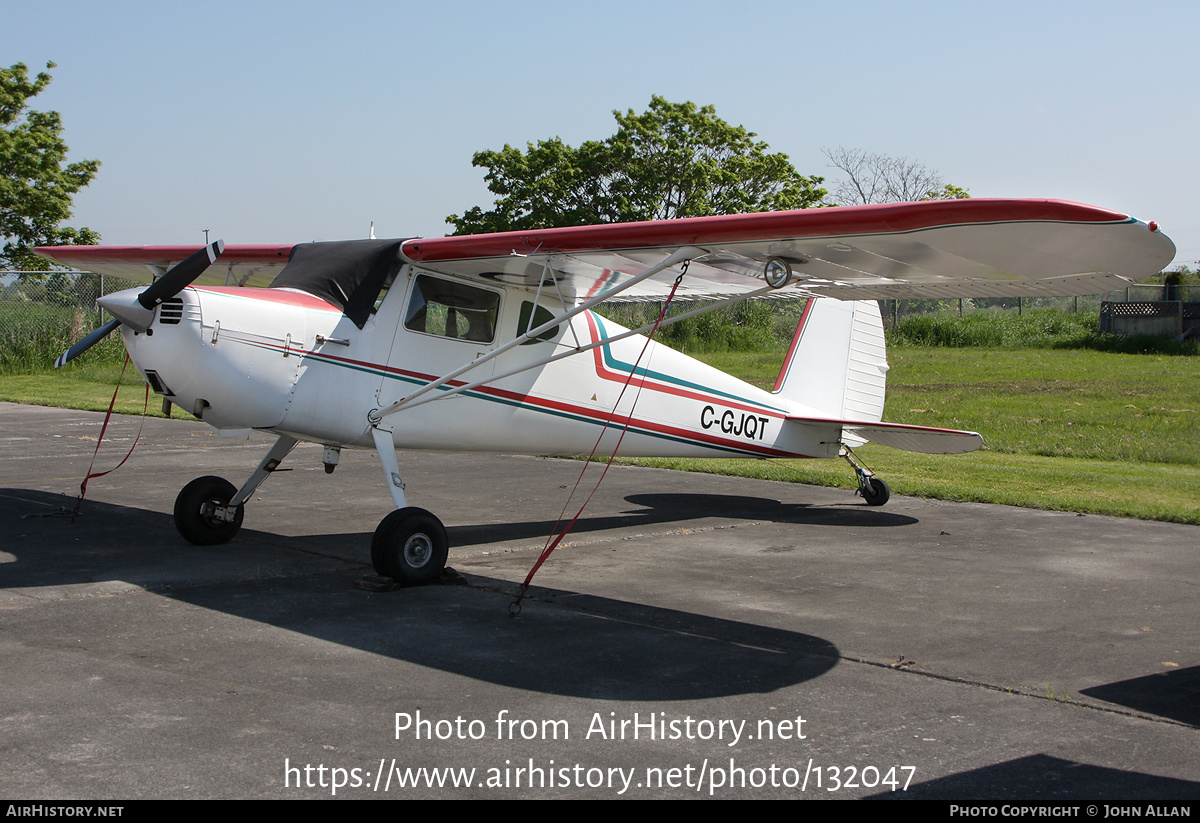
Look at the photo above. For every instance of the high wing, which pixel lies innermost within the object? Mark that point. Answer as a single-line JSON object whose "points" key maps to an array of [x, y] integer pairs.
{"points": [[238, 266], [938, 249]]}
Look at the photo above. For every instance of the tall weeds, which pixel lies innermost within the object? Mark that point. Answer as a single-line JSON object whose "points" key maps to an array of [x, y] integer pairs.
{"points": [[33, 335], [1037, 329]]}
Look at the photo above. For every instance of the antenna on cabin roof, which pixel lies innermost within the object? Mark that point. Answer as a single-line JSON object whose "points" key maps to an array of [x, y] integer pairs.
{"points": [[372, 230]]}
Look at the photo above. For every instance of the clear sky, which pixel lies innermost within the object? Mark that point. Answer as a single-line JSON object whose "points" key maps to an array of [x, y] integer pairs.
{"points": [[306, 120]]}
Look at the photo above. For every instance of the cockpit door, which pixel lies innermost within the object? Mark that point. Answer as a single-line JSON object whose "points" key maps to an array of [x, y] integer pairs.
{"points": [[444, 325]]}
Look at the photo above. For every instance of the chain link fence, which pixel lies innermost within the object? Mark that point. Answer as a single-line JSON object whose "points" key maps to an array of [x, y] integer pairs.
{"points": [[43, 313], [896, 310]]}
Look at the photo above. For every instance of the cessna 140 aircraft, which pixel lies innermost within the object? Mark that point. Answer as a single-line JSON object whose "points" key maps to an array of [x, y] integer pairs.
{"points": [[488, 342]]}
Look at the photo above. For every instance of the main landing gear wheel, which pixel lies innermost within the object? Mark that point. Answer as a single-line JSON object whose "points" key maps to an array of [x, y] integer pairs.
{"points": [[410, 546], [202, 514], [876, 492]]}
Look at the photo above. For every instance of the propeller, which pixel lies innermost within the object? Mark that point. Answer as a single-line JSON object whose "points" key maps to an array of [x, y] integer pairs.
{"points": [[82, 345], [182, 276], [138, 312]]}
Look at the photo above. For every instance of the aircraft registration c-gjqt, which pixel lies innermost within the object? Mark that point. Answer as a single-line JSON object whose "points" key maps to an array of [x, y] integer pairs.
{"points": [[488, 342]]}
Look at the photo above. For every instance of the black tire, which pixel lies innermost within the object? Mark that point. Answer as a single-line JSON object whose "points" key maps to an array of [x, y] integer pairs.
{"points": [[876, 492], [194, 511], [410, 546]]}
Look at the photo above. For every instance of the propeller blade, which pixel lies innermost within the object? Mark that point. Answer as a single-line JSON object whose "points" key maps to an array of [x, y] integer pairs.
{"points": [[86, 343], [164, 288], [181, 276]]}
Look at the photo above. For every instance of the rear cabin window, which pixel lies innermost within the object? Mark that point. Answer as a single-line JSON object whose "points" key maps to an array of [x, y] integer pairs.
{"points": [[540, 317], [449, 309]]}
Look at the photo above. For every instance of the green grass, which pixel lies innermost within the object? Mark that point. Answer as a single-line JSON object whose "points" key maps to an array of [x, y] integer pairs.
{"points": [[83, 385], [1085, 404]]}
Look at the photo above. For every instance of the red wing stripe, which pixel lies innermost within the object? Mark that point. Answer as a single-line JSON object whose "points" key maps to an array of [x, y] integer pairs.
{"points": [[888, 218], [266, 254]]}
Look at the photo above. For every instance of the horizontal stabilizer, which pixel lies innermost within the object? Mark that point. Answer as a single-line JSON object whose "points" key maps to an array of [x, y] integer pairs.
{"points": [[923, 439]]}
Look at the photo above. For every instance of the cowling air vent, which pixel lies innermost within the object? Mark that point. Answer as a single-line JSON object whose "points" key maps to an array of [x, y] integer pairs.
{"points": [[170, 311]]}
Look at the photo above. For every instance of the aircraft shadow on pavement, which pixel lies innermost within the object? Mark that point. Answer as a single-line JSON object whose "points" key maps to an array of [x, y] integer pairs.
{"points": [[1043, 777], [1174, 694], [562, 643], [661, 509]]}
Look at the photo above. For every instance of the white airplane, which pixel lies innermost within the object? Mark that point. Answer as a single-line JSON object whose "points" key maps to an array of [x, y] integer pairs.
{"points": [[488, 342]]}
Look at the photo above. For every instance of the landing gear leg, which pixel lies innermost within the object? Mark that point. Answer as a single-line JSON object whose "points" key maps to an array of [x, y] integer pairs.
{"points": [[391, 466], [282, 448], [209, 510], [874, 490], [410, 545]]}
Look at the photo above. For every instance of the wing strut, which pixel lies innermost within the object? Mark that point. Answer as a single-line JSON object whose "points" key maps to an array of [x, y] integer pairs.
{"points": [[546, 270], [678, 256]]}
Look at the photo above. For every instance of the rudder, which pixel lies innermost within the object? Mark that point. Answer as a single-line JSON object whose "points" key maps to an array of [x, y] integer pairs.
{"points": [[837, 363]]}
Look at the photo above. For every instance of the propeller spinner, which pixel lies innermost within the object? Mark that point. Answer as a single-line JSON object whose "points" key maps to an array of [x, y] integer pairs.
{"points": [[138, 312]]}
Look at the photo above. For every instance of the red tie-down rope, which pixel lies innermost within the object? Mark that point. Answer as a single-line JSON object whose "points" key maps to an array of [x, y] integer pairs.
{"points": [[100, 439], [554, 538]]}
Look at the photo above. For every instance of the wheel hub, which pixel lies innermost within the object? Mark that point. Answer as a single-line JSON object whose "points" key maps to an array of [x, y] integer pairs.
{"points": [[217, 513], [417, 550]]}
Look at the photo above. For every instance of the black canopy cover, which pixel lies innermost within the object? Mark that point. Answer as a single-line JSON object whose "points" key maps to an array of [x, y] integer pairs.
{"points": [[346, 273]]}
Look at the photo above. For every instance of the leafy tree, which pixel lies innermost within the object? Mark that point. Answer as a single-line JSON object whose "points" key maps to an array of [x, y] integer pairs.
{"points": [[674, 160], [880, 178], [36, 183], [948, 192]]}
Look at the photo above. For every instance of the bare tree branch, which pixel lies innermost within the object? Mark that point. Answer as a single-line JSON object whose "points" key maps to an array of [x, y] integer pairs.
{"points": [[879, 178]]}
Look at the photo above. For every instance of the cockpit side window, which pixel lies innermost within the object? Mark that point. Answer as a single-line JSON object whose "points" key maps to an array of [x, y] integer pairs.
{"points": [[387, 285], [450, 309]]}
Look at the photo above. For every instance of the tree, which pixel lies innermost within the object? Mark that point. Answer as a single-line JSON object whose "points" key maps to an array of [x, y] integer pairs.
{"points": [[879, 178], [36, 183], [674, 160]]}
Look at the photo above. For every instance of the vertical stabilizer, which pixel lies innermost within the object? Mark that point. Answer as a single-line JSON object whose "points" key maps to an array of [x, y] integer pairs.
{"points": [[837, 364]]}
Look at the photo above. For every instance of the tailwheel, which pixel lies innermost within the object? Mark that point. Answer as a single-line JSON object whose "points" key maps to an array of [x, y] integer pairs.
{"points": [[875, 491], [203, 514], [410, 546]]}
